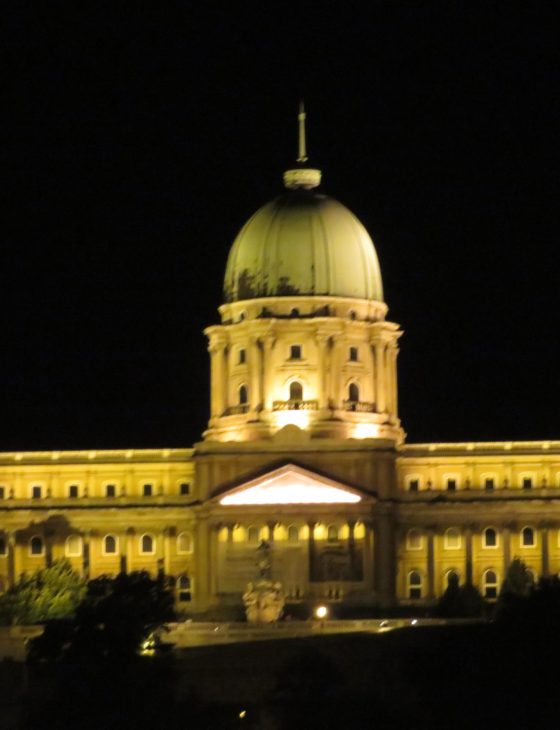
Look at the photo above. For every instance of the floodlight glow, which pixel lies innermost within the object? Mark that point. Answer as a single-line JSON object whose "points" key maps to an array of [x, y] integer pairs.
{"points": [[321, 612], [292, 418], [290, 489], [366, 431]]}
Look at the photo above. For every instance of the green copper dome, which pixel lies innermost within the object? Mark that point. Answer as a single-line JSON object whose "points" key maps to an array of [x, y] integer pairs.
{"points": [[303, 243]]}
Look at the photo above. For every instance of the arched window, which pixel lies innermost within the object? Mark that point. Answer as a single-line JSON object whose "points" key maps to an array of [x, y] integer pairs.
{"points": [[184, 542], [353, 393], [3, 545], [452, 578], [490, 537], [243, 398], [253, 535], [528, 537], [73, 546], [414, 584], [294, 312], [110, 544], [452, 539], [293, 533], [296, 390], [332, 533], [36, 546], [147, 545], [414, 540], [184, 588], [490, 584], [352, 314]]}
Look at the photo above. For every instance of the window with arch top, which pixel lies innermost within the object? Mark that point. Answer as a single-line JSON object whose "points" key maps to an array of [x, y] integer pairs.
{"points": [[184, 542], [490, 584], [110, 544], [253, 534], [243, 395], [353, 393], [296, 390], [147, 545], [490, 537], [293, 533], [414, 587], [184, 588], [528, 537], [36, 545], [74, 546]]}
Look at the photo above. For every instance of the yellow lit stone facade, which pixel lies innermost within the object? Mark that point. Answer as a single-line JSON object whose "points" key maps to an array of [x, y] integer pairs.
{"points": [[304, 452]]}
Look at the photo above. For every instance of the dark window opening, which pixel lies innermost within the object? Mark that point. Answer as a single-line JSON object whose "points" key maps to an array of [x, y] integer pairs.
{"points": [[242, 357], [527, 483], [353, 354], [36, 546], [489, 485], [243, 396], [110, 490], [296, 390], [36, 492], [413, 485], [451, 485], [185, 488], [353, 393], [295, 352], [73, 491]]}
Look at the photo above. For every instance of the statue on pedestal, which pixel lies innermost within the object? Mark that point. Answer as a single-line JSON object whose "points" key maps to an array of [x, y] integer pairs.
{"points": [[263, 599]]}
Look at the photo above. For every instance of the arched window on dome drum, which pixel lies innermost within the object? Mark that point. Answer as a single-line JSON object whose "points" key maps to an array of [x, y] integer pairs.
{"points": [[296, 390], [490, 537], [353, 393], [243, 396], [184, 588], [528, 537], [3, 550], [452, 578]]}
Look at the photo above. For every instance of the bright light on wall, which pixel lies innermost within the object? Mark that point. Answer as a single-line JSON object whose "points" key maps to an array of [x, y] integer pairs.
{"points": [[292, 418], [365, 431]]}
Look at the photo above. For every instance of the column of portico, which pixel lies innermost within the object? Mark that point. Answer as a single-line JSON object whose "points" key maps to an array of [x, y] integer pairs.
{"points": [[368, 556], [166, 544], [430, 563], [468, 534], [311, 550], [203, 580], [385, 558], [86, 555], [12, 566], [255, 370], [545, 557], [380, 385], [48, 538], [213, 558], [506, 538]]}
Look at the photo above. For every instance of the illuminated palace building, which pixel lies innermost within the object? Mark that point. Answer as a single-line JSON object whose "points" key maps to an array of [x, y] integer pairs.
{"points": [[304, 451]]}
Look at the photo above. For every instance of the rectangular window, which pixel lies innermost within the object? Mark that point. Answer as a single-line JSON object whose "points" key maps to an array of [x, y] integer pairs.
{"points": [[184, 489], [36, 492], [73, 491], [489, 485], [451, 485], [242, 357], [2, 492], [527, 483], [295, 352], [413, 485], [353, 354], [147, 490], [110, 490]]}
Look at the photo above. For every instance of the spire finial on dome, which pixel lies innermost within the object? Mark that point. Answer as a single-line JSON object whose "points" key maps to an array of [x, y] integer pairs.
{"points": [[301, 121], [302, 177]]}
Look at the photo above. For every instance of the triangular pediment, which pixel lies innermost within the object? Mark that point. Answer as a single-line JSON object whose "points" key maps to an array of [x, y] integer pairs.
{"points": [[291, 484]]}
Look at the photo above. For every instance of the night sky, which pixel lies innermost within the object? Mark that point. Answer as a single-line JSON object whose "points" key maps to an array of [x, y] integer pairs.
{"points": [[139, 137]]}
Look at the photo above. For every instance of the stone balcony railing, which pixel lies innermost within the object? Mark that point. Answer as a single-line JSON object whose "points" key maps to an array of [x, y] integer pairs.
{"points": [[358, 406], [295, 405], [237, 410]]}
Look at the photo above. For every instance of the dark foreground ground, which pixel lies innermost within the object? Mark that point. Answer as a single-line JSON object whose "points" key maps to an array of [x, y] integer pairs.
{"points": [[478, 676]]}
